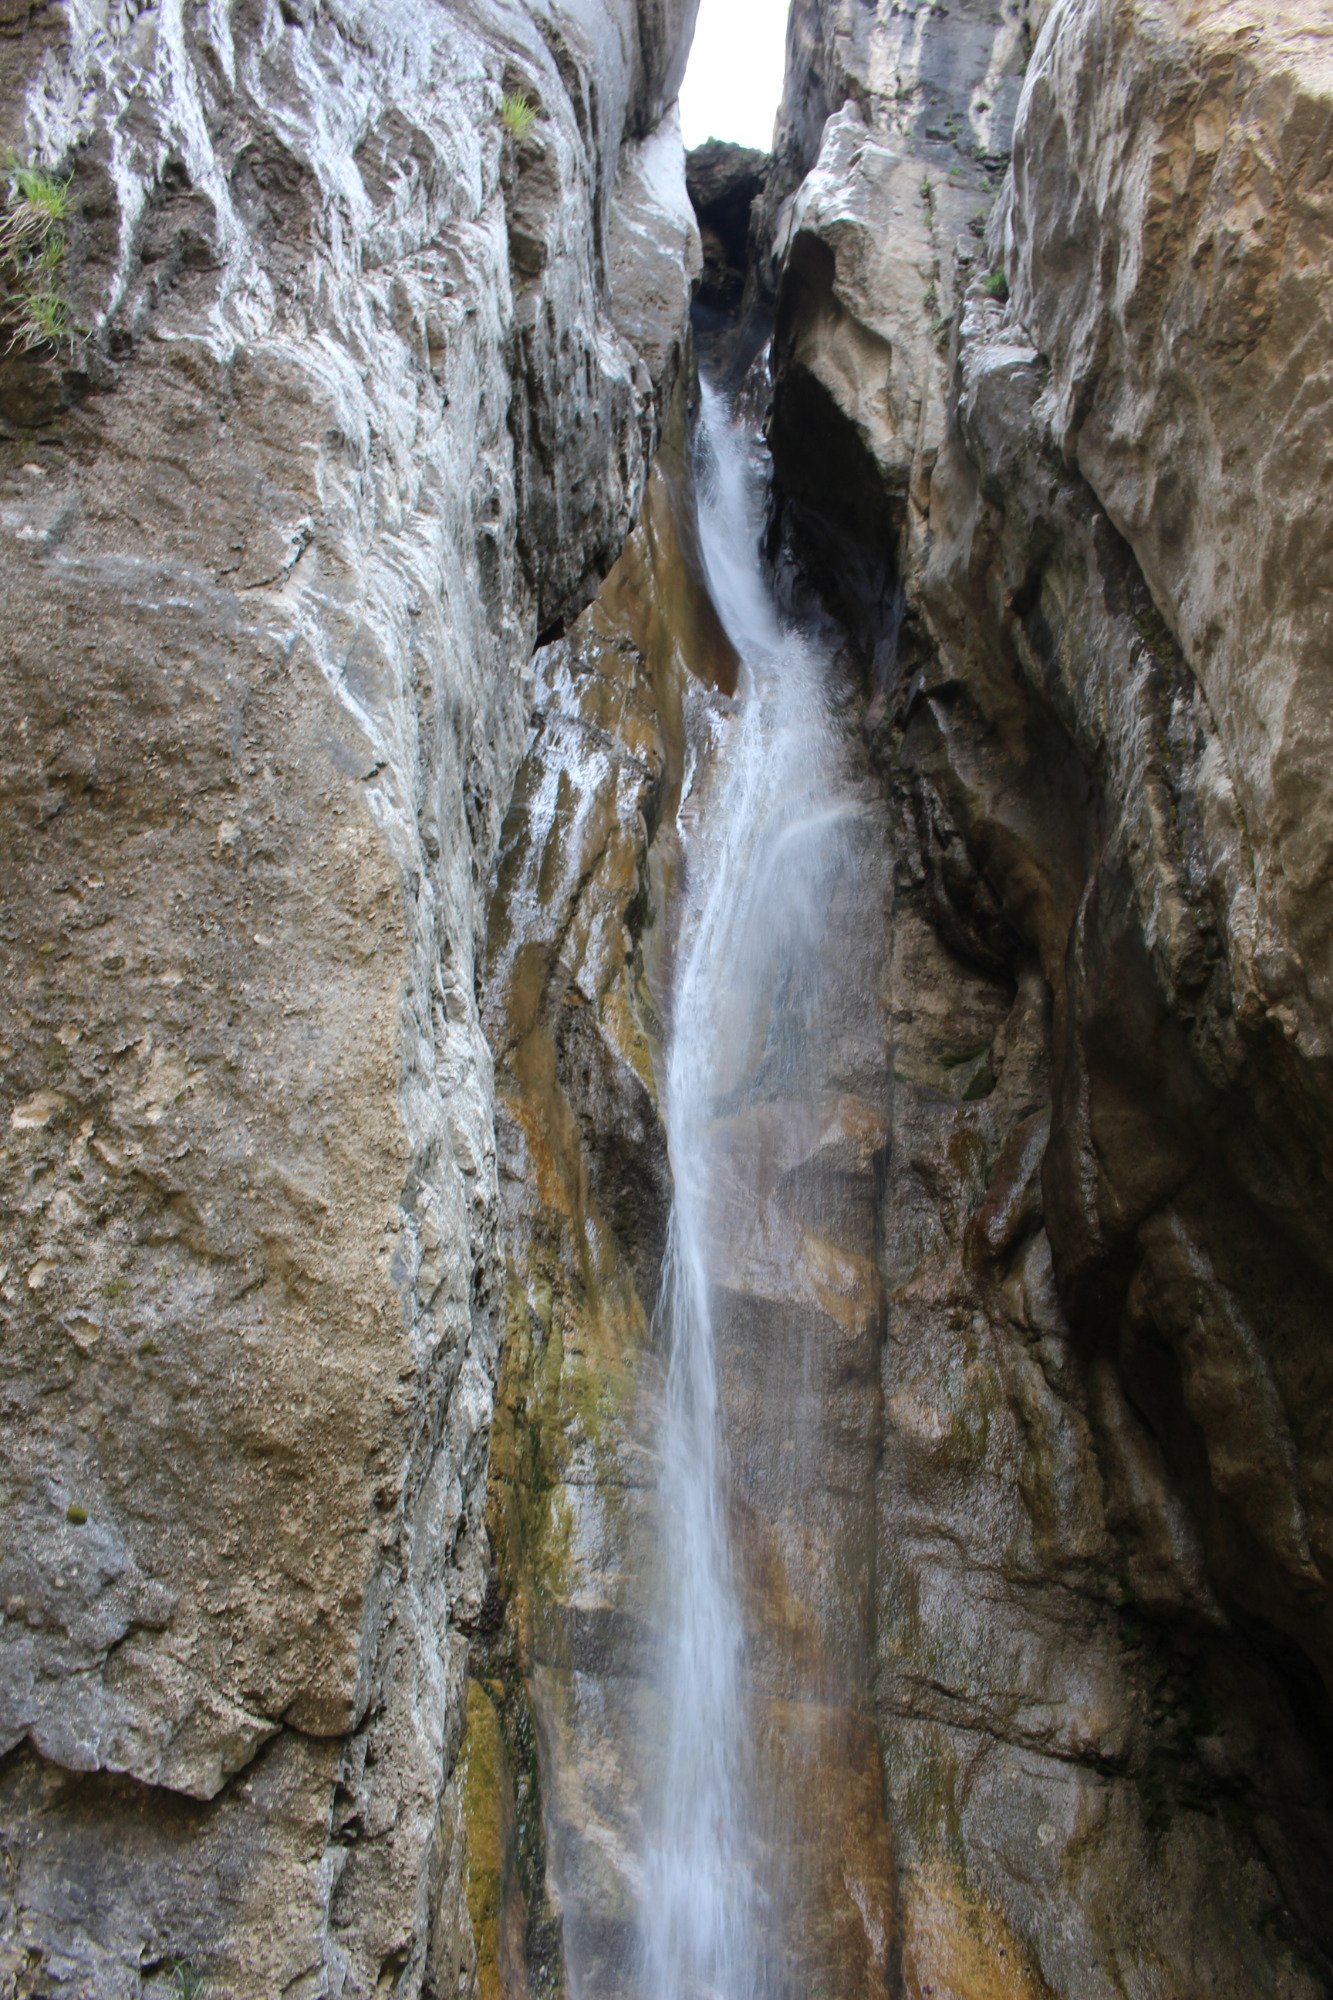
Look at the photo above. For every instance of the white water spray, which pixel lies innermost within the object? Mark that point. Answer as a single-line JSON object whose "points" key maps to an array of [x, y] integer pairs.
{"points": [[761, 851]]}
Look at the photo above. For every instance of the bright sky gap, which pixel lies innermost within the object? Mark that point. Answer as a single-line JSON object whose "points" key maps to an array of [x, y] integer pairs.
{"points": [[734, 81]]}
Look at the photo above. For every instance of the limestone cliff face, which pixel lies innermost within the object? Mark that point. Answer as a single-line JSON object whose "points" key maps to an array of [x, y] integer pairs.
{"points": [[585, 1195], [1059, 463], [892, 141], [366, 402], [1168, 243], [585, 920], [335, 943]]}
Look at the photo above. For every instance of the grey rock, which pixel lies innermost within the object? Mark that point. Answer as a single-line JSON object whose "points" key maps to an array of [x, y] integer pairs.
{"points": [[1104, 1505], [1183, 296], [368, 399], [723, 181]]}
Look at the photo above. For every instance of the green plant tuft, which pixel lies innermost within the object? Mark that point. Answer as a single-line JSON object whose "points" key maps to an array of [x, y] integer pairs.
{"points": [[32, 254], [187, 1980], [76, 1515], [517, 115], [42, 192], [40, 319], [996, 286]]}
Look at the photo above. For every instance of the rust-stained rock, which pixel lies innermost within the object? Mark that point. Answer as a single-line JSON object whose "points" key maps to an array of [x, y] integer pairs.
{"points": [[278, 545], [585, 1195], [1104, 1554], [581, 936]]}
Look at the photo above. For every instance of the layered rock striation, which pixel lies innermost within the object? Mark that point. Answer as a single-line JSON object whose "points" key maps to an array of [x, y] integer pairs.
{"points": [[337, 933], [563, 1645], [1057, 458], [364, 401], [628, 758]]}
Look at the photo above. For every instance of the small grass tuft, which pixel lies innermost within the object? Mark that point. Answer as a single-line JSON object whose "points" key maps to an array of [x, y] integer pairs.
{"points": [[40, 319], [187, 1980], [42, 192], [517, 115], [35, 209], [996, 286], [36, 206]]}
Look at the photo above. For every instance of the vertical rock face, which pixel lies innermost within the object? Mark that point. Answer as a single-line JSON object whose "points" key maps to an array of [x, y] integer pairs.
{"points": [[634, 705], [1169, 248], [367, 399], [368, 385], [585, 1194], [1060, 468]]}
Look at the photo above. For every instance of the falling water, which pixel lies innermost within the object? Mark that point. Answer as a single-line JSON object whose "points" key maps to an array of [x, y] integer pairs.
{"points": [[763, 837]]}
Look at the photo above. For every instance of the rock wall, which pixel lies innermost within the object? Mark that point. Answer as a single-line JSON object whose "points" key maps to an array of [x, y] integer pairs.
{"points": [[364, 400], [585, 1195], [584, 923], [1058, 463], [362, 407]]}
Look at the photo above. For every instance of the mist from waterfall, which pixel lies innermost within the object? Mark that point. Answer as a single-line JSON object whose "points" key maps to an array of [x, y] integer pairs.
{"points": [[762, 829]]}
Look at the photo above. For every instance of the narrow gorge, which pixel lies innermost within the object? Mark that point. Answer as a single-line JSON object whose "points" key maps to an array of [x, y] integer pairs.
{"points": [[666, 1255]]}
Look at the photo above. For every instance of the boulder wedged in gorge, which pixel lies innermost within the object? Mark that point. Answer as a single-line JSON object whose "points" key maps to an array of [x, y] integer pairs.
{"points": [[1060, 459], [723, 180], [366, 400]]}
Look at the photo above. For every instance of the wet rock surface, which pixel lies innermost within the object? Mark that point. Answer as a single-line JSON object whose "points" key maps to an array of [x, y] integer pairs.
{"points": [[585, 1195], [582, 929], [723, 181], [1103, 1536], [367, 401]]}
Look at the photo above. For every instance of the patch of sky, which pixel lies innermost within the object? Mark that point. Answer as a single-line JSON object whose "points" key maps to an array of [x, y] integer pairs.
{"points": [[734, 82]]}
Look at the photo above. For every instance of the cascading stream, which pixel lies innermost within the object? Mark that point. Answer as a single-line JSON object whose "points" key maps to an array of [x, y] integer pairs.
{"points": [[762, 835]]}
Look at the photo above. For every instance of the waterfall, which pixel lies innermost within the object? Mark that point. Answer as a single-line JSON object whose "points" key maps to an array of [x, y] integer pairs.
{"points": [[762, 836]]}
